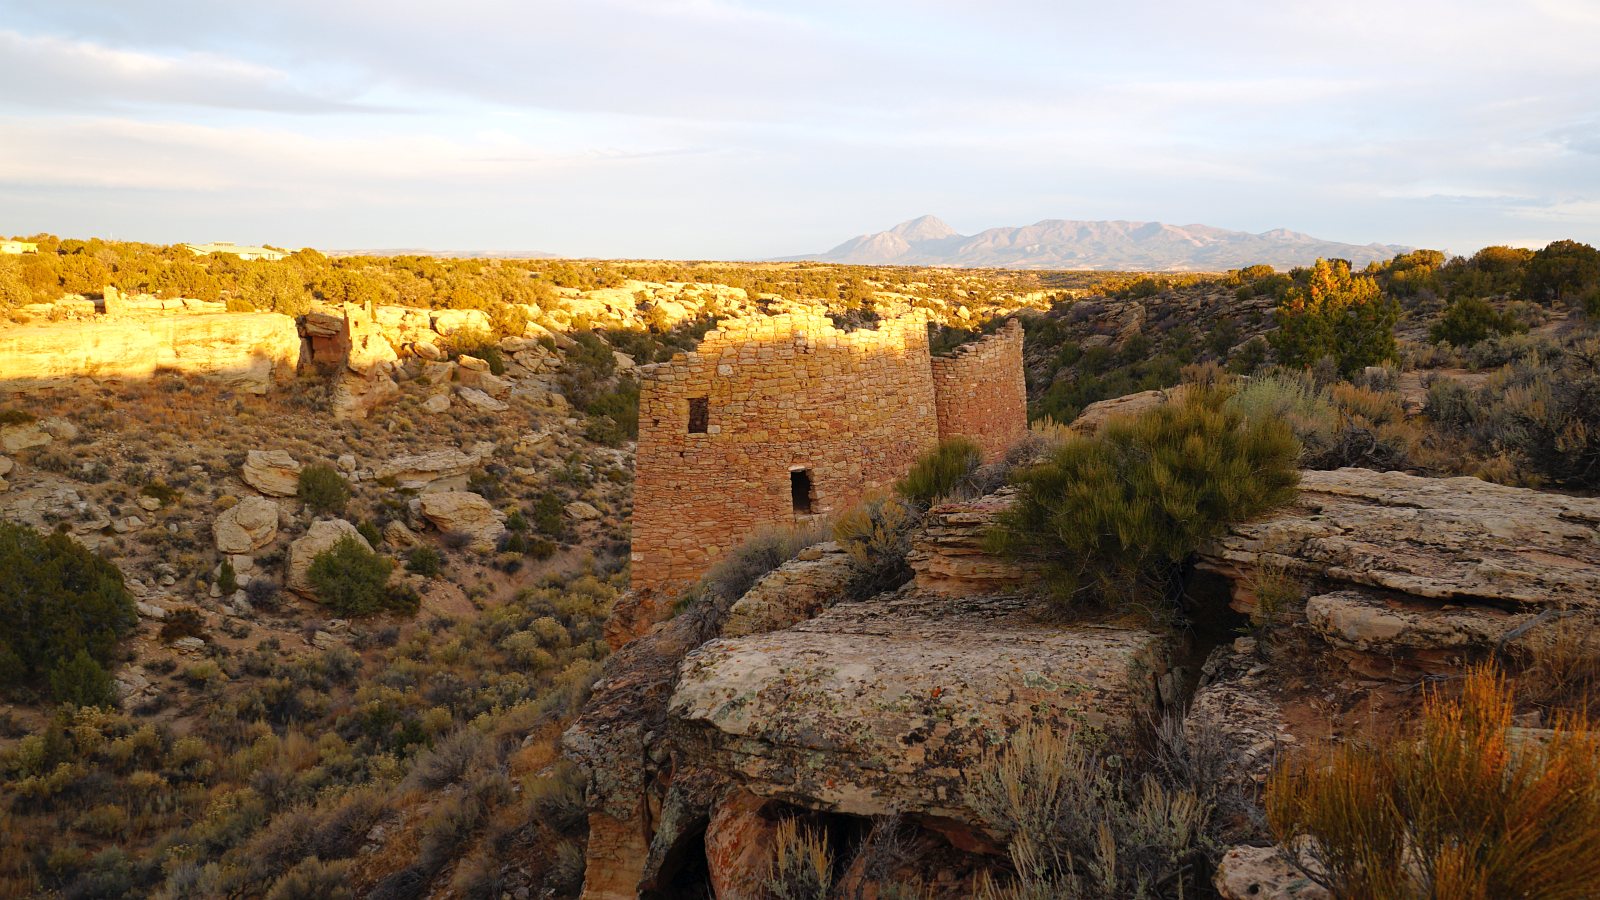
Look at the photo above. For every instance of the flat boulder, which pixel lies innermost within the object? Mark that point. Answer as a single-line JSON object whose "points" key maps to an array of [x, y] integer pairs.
{"points": [[1443, 539], [318, 539], [883, 706], [444, 469], [247, 526], [16, 438], [272, 472]]}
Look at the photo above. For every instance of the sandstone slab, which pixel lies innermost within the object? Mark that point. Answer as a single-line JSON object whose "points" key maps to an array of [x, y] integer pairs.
{"points": [[443, 469], [948, 554], [16, 438], [1438, 538], [882, 706]]}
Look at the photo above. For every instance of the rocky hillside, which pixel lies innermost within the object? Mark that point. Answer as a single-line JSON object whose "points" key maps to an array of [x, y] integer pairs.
{"points": [[1115, 246]]}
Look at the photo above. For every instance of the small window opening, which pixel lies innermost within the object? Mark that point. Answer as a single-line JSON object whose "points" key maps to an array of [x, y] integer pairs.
{"points": [[699, 414], [800, 490]]}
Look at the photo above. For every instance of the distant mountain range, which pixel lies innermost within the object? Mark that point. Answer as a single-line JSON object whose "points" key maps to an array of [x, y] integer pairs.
{"points": [[449, 254], [1067, 244]]}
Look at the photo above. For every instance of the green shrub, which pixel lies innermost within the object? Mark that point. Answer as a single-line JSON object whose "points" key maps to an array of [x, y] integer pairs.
{"points": [[1339, 315], [1112, 516], [424, 561], [162, 492], [185, 621], [1470, 320], [323, 489], [940, 471], [351, 579], [81, 681], [227, 578], [549, 516], [57, 600]]}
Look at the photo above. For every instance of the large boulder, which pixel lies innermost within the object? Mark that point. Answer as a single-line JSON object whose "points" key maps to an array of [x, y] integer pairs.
{"points": [[466, 513], [881, 707], [247, 526], [272, 472], [318, 539]]}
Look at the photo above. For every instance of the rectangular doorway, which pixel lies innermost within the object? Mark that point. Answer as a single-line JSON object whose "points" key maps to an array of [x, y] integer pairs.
{"points": [[800, 490]]}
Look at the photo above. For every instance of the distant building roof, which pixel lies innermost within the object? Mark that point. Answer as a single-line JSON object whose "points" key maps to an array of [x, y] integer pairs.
{"points": [[18, 247], [236, 250]]}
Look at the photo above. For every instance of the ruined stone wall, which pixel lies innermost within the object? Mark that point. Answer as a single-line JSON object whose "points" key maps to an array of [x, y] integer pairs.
{"points": [[245, 350], [981, 393], [781, 393]]}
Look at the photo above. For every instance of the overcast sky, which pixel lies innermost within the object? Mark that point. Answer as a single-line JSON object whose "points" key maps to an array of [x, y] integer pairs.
{"points": [[731, 129]]}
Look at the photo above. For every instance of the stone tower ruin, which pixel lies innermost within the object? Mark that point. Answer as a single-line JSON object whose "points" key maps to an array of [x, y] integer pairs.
{"points": [[787, 419]]}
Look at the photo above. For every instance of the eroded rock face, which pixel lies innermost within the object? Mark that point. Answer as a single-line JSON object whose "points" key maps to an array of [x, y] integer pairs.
{"points": [[247, 526], [948, 554], [793, 592], [465, 512], [16, 438], [1438, 538], [318, 539], [882, 706], [272, 472]]}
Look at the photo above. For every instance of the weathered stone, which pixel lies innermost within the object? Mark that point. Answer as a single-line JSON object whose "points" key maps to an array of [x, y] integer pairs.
{"points": [[396, 534], [354, 396], [1438, 538], [318, 539], [443, 469], [16, 438], [247, 526], [272, 472], [792, 593], [59, 428], [875, 707], [739, 842], [582, 511], [1096, 415], [1262, 873], [437, 403], [479, 400], [467, 513]]}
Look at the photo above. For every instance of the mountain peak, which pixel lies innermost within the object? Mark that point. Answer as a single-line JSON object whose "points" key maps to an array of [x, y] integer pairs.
{"points": [[923, 228], [1073, 244]]}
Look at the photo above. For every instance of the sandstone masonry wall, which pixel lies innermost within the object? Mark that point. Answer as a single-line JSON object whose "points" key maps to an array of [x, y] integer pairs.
{"points": [[785, 393], [981, 393]]}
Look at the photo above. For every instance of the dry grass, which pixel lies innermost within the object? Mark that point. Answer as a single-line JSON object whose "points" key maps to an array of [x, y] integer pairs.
{"points": [[1463, 809]]}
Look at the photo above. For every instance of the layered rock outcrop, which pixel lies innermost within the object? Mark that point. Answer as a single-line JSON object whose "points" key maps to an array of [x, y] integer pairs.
{"points": [[272, 472], [1444, 539], [466, 513], [246, 351]]}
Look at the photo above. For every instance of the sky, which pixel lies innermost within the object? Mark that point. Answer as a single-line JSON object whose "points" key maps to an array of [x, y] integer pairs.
{"points": [[744, 130]]}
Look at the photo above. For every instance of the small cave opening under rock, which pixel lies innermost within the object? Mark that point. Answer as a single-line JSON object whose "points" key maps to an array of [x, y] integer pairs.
{"points": [[1212, 622], [684, 874]]}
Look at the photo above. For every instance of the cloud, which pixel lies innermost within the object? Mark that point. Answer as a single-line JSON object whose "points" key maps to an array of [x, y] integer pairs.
{"points": [[62, 74]]}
